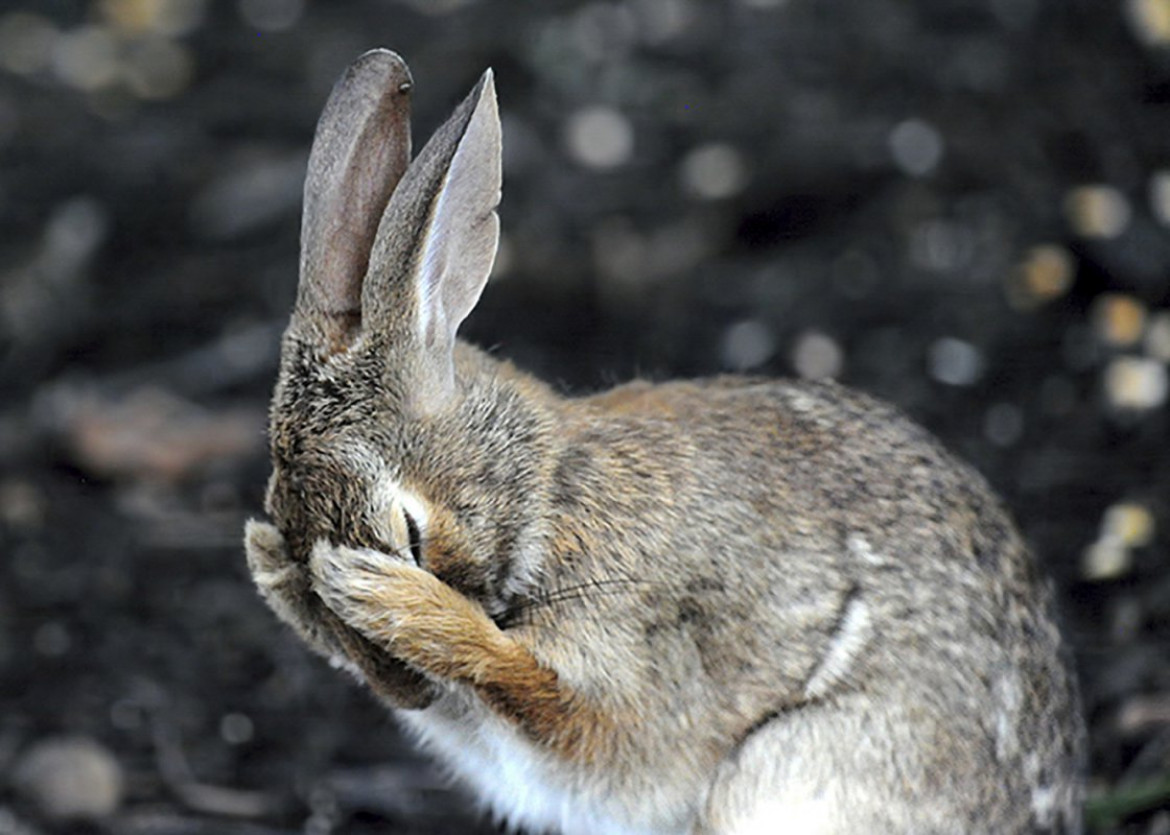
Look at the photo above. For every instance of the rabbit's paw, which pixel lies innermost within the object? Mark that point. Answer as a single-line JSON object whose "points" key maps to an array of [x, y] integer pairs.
{"points": [[268, 559], [284, 584], [426, 624], [408, 611]]}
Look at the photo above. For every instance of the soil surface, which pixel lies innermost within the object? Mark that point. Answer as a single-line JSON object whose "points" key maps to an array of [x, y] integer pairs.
{"points": [[962, 206]]}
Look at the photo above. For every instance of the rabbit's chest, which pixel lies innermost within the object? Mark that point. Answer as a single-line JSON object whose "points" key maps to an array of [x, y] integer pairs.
{"points": [[527, 786]]}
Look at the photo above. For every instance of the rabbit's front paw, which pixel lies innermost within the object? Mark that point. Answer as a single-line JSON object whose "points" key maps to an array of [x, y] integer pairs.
{"points": [[269, 562], [404, 609], [284, 584]]}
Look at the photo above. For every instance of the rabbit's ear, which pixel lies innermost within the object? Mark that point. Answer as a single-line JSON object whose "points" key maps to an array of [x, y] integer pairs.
{"points": [[437, 243], [360, 151]]}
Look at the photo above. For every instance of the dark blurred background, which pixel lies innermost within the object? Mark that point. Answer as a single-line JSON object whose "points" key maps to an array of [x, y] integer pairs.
{"points": [[960, 205]]}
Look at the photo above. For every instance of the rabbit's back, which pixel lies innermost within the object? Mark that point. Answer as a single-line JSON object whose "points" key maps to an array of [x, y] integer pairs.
{"points": [[758, 550]]}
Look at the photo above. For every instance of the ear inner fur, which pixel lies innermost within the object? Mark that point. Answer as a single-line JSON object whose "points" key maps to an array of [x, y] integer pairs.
{"points": [[360, 151]]}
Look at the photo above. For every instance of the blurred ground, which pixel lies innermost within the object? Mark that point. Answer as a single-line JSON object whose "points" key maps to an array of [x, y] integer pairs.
{"points": [[959, 205]]}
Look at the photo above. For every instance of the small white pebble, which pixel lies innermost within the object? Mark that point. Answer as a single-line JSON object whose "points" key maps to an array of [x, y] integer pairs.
{"points": [[916, 146], [817, 356], [955, 362], [1150, 20], [747, 344], [86, 58], [1136, 383], [1129, 523], [1097, 211], [70, 778], [1105, 559], [713, 172], [1146, 713], [599, 137]]}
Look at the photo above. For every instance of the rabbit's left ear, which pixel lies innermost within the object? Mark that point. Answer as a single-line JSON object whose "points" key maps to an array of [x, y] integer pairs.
{"points": [[436, 245], [360, 152]]}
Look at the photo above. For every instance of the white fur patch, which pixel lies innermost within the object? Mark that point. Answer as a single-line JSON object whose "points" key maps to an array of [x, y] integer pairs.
{"points": [[340, 662], [517, 781], [270, 578], [859, 547], [527, 563], [388, 501], [1044, 805], [850, 639], [1009, 698], [812, 815]]}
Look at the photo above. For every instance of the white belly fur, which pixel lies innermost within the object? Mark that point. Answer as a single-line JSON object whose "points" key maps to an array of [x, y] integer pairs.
{"points": [[520, 783]]}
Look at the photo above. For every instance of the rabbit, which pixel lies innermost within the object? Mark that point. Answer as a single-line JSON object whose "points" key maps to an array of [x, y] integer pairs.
{"points": [[714, 607]]}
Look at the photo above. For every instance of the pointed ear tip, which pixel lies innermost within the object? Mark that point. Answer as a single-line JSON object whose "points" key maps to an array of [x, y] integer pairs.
{"points": [[487, 99], [487, 82]]}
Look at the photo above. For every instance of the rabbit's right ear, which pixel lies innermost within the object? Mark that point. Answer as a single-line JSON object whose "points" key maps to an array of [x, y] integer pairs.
{"points": [[360, 151], [436, 246]]}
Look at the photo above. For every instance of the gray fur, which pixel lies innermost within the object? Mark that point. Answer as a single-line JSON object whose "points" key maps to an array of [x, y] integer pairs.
{"points": [[772, 601]]}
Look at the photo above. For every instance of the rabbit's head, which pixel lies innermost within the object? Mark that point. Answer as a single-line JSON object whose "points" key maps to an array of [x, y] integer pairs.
{"points": [[383, 434]]}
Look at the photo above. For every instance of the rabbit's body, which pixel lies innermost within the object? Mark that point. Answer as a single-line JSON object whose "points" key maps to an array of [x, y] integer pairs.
{"points": [[724, 606]]}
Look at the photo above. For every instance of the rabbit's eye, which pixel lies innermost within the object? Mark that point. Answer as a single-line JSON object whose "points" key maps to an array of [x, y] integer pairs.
{"points": [[415, 537]]}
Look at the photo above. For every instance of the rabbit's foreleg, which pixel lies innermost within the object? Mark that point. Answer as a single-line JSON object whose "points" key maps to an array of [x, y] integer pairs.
{"points": [[449, 638]]}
